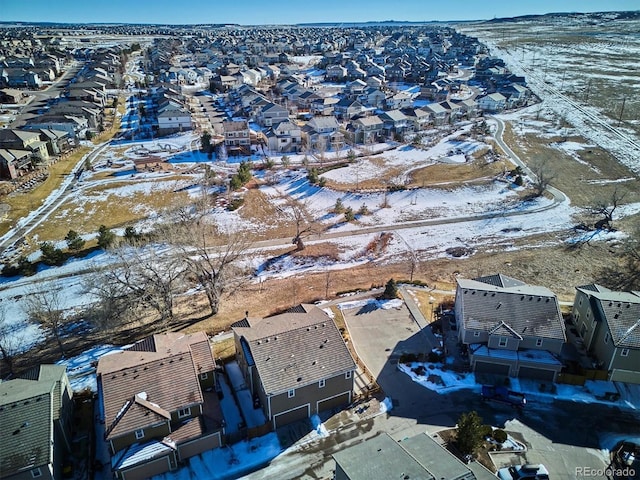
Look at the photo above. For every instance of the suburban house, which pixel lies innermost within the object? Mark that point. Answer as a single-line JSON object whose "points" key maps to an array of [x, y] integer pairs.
{"points": [[494, 102], [36, 413], [173, 118], [347, 108], [418, 457], [237, 136], [295, 363], [367, 129], [271, 114], [24, 140], [284, 137], [395, 122], [608, 323], [15, 163], [323, 133], [158, 402], [510, 328]]}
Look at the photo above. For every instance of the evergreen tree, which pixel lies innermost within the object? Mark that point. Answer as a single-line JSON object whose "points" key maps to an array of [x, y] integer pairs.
{"points": [[469, 435], [105, 237], [390, 290], [75, 242]]}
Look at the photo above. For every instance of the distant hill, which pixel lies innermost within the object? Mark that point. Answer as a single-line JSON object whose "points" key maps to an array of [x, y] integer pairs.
{"points": [[595, 16]]}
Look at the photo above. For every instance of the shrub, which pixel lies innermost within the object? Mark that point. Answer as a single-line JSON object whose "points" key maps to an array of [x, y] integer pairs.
{"points": [[51, 255], [499, 435], [364, 210], [390, 290], [235, 204], [349, 215], [338, 207], [486, 431]]}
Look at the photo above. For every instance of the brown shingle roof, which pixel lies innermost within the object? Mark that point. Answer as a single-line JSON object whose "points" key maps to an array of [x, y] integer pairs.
{"points": [[168, 378], [296, 348], [136, 413]]}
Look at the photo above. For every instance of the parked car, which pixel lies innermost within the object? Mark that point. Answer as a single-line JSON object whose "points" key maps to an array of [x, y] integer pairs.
{"points": [[524, 472], [503, 395]]}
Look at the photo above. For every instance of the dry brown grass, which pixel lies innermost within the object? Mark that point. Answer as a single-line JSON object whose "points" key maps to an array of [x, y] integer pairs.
{"points": [[224, 350], [21, 204], [113, 211], [429, 302], [259, 210], [573, 177], [476, 170]]}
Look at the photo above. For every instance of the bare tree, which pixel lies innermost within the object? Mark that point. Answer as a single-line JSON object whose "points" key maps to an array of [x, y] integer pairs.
{"points": [[12, 340], [304, 223], [606, 208], [212, 258], [115, 304], [542, 176], [45, 309], [152, 279]]}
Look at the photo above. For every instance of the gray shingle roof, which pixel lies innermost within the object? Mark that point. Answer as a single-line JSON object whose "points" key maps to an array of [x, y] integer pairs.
{"points": [[621, 312], [525, 310], [296, 348], [26, 419]]}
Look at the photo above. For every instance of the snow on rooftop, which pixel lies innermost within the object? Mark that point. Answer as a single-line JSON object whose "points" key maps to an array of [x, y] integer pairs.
{"points": [[228, 462]]}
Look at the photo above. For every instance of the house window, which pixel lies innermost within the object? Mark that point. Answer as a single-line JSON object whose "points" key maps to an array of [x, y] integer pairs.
{"points": [[139, 434], [184, 412], [347, 375], [476, 334], [291, 393], [502, 342], [606, 338], [538, 342], [204, 376], [321, 383], [624, 352], [36, 473]]}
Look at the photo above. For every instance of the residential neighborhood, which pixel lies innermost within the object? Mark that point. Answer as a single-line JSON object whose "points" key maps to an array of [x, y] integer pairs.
{"points": [[296, 174]]}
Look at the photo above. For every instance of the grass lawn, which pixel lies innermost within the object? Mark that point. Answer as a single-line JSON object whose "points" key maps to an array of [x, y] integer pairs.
{"points": [[21, 204]]}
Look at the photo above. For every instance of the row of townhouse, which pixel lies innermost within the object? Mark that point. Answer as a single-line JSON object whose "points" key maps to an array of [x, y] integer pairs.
{"points": [[158, 399], [22, 151], [514, 329]]}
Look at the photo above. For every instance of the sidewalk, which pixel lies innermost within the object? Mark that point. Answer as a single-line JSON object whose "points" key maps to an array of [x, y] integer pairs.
{"points": [[417, 315]]}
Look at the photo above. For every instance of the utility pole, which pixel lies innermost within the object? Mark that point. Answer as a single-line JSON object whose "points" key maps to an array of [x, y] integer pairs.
{"points": [[621, 111]]}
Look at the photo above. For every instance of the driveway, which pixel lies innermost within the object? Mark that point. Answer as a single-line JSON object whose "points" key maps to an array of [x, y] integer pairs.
{"points": [[560, 434]]}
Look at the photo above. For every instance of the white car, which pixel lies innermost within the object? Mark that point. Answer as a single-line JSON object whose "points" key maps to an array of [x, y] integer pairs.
{"points": [[522, 472]]}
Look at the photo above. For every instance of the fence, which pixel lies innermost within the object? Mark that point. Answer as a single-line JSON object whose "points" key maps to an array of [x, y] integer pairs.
{"points": [[246, 433], [584, 375]]}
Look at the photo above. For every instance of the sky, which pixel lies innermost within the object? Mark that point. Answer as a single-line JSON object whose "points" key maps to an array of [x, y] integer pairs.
{"points": [[260, 12]]}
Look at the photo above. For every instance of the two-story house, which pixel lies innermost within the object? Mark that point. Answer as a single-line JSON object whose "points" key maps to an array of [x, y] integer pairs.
{"points": [[323, 133], [158, 403], [173, 118], [36, 417], [284, 137], [237, 136], [296, 363], [367, 130], [494, 102], [510, 328], [24, 140], [271, 114], [608, 323]]}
